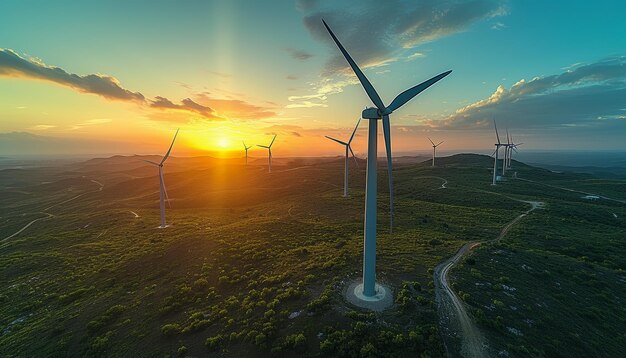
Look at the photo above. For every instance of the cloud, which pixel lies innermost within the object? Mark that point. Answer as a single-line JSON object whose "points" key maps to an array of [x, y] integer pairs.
{"points": [[411, 23], [582, 95], [374, 42], [299, 54], [306, 4], [321, 91], [90, 122], [186, 104], [235, 108], [306, 104], [415, 56], [498, 26], [12, 64], [42, 127]]}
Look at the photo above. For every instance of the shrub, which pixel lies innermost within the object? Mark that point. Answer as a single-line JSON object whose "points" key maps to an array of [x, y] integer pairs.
{"points": [[170, 329], [260, 339], [214, 342]]}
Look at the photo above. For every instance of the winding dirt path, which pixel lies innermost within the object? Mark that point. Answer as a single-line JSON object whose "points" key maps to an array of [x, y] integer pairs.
{"points": [[48, 215], [455, 322]]}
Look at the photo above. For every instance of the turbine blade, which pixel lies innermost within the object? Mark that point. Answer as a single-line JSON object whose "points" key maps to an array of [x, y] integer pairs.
{"points": [[336, 140], [273, 139], [407, 95], [263, 146], [430, 141], [508, 139], [169, 150], [151, 162], [369, 89], [353, 156], [494, 153], [244, 145], [387, 135], [354, 131], [439, 144], [516, 151]]}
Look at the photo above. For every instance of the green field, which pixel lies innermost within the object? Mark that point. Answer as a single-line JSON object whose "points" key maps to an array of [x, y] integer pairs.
{"points": [[255, 263]]}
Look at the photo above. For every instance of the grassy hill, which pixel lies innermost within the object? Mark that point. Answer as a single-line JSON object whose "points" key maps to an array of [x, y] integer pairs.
{"points": [[255, 263]]}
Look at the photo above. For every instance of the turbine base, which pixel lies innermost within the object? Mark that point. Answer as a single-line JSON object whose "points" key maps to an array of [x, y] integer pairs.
{"points": [[382, 300]]}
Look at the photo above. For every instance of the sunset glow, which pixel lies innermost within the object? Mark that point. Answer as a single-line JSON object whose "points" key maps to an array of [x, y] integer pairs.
{"points": [[222, 77]]}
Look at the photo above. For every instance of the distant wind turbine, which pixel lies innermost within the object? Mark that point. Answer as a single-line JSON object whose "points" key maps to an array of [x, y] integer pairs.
{"points": [[348, 148], [495, 161], [434, 149], [269, 152], [163, 192], [245, 147], [513, 148], [369, 288]]}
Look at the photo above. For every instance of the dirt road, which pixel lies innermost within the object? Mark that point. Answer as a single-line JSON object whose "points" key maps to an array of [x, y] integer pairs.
{"points": [[456, 325]]}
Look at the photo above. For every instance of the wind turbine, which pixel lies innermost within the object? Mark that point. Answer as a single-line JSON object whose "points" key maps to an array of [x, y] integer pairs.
{"points": [[513, 148], [269, 151], [368, 289], [163, 192], [434, 149], [348, 147], [245, 147], [495, 161]]}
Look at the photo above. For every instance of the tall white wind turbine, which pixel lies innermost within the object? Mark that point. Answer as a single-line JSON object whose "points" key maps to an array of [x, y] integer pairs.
{"points": [[269, 153], [245, 147], [434, 149], [495, 161], [507, 152], [348, 147], [163, 192], [368, 290], [513, 149]]}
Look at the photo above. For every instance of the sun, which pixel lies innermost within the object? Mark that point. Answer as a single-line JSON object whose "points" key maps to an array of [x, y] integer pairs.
{"points": [[222, 143]]}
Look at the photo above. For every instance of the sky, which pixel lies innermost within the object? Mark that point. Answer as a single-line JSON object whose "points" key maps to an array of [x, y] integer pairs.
{"points": [[119, 77]]}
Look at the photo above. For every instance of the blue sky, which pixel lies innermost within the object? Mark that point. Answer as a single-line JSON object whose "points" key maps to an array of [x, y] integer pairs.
{"points": [[250, 69]]}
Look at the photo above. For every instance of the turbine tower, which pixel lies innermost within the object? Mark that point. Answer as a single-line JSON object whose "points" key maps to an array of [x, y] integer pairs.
{"points": [[163, 192], [245, 147], [434, 149], [507, 152], [348, 148], [495, 161], [368, 289], [269, 153]]}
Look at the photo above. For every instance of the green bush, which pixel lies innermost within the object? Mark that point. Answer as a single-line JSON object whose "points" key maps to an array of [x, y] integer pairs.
{"points": [[170, 329]]}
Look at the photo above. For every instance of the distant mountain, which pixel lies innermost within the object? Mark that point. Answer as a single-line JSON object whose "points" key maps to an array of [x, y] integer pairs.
{"points": [[27, 144]]}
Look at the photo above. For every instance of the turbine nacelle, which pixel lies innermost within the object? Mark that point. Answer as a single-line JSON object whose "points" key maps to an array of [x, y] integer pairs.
{"points": [[371, 113]]}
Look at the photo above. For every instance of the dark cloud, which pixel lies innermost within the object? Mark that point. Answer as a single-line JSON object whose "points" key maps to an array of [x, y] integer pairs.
{"points": [[585, 95], [304, 5], [299, 54], [11, 64], [374, 31], [187, 104]]}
